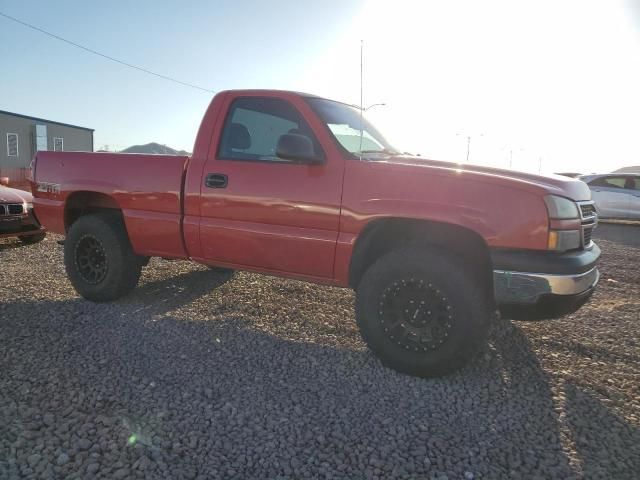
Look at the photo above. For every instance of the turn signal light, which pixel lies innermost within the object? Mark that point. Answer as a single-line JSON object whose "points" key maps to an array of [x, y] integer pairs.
{"points": [[563, 240]]}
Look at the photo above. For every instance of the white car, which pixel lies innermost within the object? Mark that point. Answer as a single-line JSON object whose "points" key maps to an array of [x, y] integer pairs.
{"points": [[617, 195]]}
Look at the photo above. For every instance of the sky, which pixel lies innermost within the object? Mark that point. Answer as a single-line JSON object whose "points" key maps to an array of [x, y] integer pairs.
{"points": [[546, 85]]}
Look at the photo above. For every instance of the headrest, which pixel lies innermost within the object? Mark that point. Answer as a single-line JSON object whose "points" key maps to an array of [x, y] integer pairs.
{"points": [[238, 137]]}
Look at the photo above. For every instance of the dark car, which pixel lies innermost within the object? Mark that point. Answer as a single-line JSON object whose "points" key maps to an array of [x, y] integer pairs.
{"points": [[16, 216]]}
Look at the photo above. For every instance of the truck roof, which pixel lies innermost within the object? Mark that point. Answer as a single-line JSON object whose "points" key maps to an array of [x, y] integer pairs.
{"points": [[270, 90], [254, 91]]}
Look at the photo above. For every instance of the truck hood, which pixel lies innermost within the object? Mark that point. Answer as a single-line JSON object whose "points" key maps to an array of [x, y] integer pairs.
{"points": [[542, 184], [13, 195]]}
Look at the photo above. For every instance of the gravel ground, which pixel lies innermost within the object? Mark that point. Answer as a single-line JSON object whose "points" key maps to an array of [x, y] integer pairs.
{"points": [[623, 232], [196, 375]]}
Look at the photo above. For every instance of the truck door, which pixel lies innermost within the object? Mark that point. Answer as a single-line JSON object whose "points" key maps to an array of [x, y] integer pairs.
{"points": [[632, 188], [262, 212], [610, 197]]}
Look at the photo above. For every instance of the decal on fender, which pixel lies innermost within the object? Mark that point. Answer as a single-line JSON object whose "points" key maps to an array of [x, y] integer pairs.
{"points": [[49, 187]]}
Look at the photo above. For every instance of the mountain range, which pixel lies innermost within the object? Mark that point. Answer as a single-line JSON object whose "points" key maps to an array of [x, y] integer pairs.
{"points": [[154, 149], [628, 170]]}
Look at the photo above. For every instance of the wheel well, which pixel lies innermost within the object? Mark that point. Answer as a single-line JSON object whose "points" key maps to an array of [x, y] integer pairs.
{"points": [[383, 236], [85, 203]]}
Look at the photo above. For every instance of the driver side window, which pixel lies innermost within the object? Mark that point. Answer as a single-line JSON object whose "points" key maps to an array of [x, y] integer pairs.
{"points": [[254, 126]]}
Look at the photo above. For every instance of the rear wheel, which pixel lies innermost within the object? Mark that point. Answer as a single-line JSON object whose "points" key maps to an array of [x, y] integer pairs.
{"points": [[422, 312], [31, 239], [99, 259]]}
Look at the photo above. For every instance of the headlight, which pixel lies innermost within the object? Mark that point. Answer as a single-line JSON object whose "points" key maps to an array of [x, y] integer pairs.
{"points": [[29, 206], [561, 208]]}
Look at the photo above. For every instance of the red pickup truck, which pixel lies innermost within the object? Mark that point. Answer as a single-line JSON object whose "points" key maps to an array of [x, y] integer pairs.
{"points": [[299, 186]]}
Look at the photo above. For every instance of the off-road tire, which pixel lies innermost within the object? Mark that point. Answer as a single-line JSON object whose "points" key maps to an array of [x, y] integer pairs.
{"points": [[118, 271], [459, 311], [31, 239]]}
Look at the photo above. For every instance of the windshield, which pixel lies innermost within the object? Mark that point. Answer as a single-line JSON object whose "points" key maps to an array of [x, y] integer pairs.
{"points": [[345, 123]]}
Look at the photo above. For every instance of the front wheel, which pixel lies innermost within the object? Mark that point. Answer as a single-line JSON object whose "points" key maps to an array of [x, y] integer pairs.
{"points": [[422, 312], [99, 259]]}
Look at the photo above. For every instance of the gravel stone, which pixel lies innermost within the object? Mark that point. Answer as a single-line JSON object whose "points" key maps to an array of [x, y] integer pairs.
{"points": [[49, 420], [121, 473], [209, 376], [84, 444]]}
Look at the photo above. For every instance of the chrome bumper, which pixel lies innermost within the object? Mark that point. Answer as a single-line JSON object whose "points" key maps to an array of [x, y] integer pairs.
{"points": [[527, 288]]}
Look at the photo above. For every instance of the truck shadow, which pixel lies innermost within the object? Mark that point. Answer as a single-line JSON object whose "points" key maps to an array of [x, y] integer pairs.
{"points": [[607, 445], [10, 243], [161, 377], [164, 295]]}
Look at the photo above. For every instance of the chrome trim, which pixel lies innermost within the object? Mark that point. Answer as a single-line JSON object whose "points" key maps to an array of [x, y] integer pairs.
{"points": [[527, 288]]}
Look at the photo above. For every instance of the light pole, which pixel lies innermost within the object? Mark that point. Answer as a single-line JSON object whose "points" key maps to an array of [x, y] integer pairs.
{"points": [[468, 143], [374, 105], [511, 156]]}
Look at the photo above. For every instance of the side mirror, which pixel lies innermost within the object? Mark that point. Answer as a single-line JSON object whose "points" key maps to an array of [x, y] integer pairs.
{"points": [[4, 181], [298, 148]]}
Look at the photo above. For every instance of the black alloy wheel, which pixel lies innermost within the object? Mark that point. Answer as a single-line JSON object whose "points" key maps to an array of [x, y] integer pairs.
{"points": [[91, 260], [415, 315]]}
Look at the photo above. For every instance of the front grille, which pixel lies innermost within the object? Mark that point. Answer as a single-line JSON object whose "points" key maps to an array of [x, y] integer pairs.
{"points": [[15, 209], [11, 209], [586, 235], [588, 210], [589, 220]]}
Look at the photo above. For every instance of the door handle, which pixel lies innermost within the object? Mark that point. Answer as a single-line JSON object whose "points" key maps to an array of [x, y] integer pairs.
{"points": [[216, 180]]}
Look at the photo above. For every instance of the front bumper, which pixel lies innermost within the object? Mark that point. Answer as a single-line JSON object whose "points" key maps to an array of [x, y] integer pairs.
{"points": [[526, 293], [20, 226]]}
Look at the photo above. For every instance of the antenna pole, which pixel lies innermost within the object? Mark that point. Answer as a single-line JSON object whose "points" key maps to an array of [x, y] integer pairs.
{"points": [[361, 97], [468, 146], [361, 73]]}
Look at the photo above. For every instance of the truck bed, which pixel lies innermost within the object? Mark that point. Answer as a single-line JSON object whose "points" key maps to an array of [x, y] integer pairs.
{"points": [[147, 188]]}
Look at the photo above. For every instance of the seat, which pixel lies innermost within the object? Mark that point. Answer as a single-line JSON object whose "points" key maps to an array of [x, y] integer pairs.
{"points": [[630, 184], [238, 137]]}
